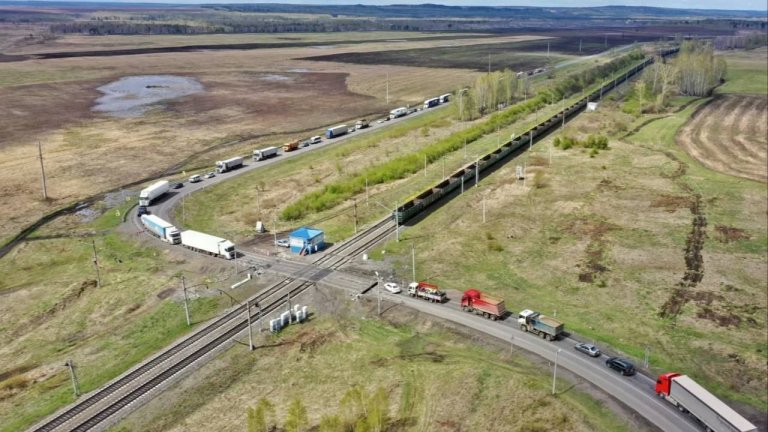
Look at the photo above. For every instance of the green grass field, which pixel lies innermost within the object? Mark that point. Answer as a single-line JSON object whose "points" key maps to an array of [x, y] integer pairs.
{"points": [[434, 379], [53, 311], [746, 72]]}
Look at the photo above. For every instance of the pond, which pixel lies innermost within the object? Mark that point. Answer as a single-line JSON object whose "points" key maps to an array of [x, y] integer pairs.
{"points": [[134, 95]]}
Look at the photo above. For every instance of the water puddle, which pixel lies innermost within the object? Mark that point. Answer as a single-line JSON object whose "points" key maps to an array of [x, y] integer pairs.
{"points": [[132, 96]]}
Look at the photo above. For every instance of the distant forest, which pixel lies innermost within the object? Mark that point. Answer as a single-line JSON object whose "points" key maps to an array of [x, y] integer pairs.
{"points": [[129, 19]]}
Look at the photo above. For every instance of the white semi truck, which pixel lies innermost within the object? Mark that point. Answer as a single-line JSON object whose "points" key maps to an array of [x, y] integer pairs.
{"points": [[146, 196], [206, 243], [688, 396], [265, 153], [161, 228], [398, 112], [229, 164]]}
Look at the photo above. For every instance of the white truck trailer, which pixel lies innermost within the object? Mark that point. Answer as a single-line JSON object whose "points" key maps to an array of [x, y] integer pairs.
{"points": [[398, 112], [229, 164], [161, 228], [206, 243], [336, 131], [146, 196], [265, 153], [688, 396]]}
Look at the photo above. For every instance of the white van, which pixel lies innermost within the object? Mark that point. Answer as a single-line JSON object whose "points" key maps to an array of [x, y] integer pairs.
{"points": [[195, 178]]}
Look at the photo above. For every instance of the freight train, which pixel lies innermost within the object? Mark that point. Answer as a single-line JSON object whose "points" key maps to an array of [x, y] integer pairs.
{"points": [[416, 205]]}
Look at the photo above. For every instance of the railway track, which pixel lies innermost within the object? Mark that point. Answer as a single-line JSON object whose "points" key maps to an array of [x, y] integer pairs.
{"points": [[105, 406]]}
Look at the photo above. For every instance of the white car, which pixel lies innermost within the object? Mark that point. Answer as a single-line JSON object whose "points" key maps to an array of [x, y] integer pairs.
{"points": [[392, 287], [315, 139], [283, 243], [210, 175], [195, 178]]}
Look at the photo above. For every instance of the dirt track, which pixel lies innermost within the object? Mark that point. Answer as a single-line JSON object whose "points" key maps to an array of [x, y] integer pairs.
{"points": [[729, 135]]}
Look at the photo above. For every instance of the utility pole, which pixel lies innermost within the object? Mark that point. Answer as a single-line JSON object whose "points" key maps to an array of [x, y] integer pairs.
{"points": [[647, 355], [250, 331], [530, 142], [477, 171], [554, 374], [274, 228], [96, 264], [290, 314], [186, 305], [261, 318], [367, 197], [413, 261], [580, 46], [489, 63], [73, 377], [387, 88], [425, 165], [378, 291], [443, 167], [547, 50], [462, 184], [42, 169], [354, 201], [465, 148], [397, 224]]}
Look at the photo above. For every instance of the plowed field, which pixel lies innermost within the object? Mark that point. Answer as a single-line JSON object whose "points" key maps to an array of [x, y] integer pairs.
{"points": [[729, 135]]}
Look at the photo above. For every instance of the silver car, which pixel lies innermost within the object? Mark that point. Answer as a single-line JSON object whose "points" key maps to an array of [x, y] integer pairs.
{"points": [[588, 349], [283, 243]]}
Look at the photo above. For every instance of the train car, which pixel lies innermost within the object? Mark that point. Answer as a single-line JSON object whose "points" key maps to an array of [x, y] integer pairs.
{"points": [[415, 206]]}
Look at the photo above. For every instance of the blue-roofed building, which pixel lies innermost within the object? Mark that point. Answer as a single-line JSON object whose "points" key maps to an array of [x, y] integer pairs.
{"points": [[305, 240]]}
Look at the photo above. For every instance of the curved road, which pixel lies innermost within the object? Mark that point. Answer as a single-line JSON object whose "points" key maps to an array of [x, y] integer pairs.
{"points": [[163, 208], [635, 392]]}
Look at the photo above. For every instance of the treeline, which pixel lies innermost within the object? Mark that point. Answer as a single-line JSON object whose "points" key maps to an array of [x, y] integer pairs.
{"points": [[359, 411], [747, 40], [131, 27], [700, 69], [335, 193], [498, 89]]}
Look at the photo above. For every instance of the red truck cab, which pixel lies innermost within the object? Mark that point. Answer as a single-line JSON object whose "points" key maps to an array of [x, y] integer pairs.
{"points": [[664, 382]]}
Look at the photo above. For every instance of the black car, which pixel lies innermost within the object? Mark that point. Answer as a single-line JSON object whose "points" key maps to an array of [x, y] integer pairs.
{"points": [[177, 185], [623, 366], [142, 211]]}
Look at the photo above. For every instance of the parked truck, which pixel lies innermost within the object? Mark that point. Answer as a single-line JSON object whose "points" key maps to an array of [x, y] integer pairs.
{"points": [[155, 190], [426, 291], [265, 153], [229, 164], [688, 396], [336, 131], [398, 112], [483, 304], [538, 324], [291, 146], [206, 243], [161, 228]]}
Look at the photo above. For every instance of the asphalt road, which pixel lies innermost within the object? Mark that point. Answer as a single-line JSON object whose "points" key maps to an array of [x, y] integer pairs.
{"points": [[163, 208], [636, 392]]}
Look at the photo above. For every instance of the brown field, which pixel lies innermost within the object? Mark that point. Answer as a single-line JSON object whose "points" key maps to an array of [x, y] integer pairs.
{"points": [[50, 100], [730, 135]]}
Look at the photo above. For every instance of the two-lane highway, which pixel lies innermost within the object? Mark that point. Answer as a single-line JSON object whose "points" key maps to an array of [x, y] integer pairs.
{"points": [[635, 392]]}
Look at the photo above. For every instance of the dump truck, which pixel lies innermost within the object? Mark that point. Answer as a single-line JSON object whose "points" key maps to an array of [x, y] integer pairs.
{"points": [[538, 324], [161, 228], [265, 153], [155, 190], [291, 146], [361, 124], [229, 164], [483, 304], [426, 291], [336, 131], [206, 243], [688, 396]]}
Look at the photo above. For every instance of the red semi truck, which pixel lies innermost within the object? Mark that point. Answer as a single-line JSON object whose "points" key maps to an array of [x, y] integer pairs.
{"points": [[483, 304], [690, 397]]}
